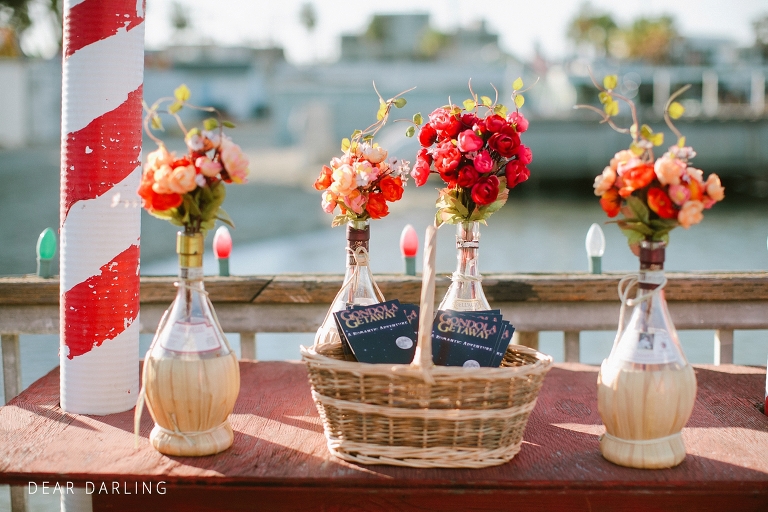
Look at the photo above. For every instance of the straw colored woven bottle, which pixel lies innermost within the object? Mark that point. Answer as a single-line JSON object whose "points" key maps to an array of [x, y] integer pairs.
{"points": [[646, 388], [466, 290], [191, 375], [358, 286]]}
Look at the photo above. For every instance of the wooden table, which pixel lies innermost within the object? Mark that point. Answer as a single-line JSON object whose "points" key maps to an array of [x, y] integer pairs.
{"points": [[279, 460]]}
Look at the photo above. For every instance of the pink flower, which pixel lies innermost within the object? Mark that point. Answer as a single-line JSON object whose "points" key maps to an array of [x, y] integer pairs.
{"points": [[516, 173], [524, 154], [355, 201], [446, 124], [669, 170], [715, 189], [420, 170], [679, 194], [447, 157], [234, 160], [469, 141], [344, 180], [208, 167], [690, 214], [329, 201], [623, 156], [365, 172], [483, 162], [604, 181], [182, 179], [520, 122]]}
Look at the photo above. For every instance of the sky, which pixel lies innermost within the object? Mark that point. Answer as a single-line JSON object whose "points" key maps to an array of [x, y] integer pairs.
{"points": [[521, 25]]}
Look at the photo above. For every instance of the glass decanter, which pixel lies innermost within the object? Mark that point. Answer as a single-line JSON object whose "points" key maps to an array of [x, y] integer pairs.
{"points": [[646, 388], [466, 291], [358, 287], [191, 375]]}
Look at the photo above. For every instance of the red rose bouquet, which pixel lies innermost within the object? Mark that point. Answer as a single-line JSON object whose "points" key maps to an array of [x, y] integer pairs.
{"points": [[477, 152], [188, 190], [363, 180], [653, 195]]}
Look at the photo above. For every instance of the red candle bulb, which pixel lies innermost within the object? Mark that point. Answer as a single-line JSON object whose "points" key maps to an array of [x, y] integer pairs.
{"points": [[409, 246], [222, 243]]}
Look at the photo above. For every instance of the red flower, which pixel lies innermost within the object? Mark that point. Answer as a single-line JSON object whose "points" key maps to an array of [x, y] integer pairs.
{"points": [[420, 171], [469, 119], [495, 123], [505, 142], [659, 202], [391, 188], [427, 135], [447, 125], [154, 201], [636, 178], [447, 157], [520, 122], [486, 190], [468, 176], [469, 141], [524, 155], [516, 173], [325, 179], [611, 202], [377, 206]]}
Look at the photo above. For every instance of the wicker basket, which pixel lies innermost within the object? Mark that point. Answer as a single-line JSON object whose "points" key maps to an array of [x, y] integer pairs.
{"points": [[421, 415]]}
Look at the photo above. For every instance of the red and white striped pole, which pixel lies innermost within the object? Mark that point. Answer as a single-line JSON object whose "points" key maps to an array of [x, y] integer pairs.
{"points": [[103, 74]]}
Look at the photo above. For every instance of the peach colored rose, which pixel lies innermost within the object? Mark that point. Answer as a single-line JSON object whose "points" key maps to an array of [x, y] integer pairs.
{"points": [[208, 167], [344, 180], [182, 179], [364, 173], [669, 170], [355, 201], [162, 177], [632, 163], [329, 201], [374, 154], [160, 157], [690, 214], [715, 189], [234, 160], [621, 157], [696, 174], [604, 181], [680, 194]]}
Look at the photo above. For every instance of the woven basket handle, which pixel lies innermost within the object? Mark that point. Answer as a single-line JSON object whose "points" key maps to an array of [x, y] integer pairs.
{"points": [[423, 357]]}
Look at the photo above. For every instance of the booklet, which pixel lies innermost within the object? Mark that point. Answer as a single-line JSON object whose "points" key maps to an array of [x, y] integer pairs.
{"points": [[412, 314], [507, 330], [464, 338], [379, 333]]}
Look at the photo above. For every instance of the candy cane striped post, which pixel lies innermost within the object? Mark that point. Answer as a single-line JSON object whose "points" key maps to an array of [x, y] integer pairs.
{"points": [[103, 73]]}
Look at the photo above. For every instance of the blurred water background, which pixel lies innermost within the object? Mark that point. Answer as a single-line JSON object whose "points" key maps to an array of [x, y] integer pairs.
{"points": [[298, 78]]}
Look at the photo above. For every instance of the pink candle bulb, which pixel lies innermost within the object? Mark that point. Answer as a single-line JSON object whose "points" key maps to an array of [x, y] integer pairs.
{"points": [[222, 247], [409, 246]]}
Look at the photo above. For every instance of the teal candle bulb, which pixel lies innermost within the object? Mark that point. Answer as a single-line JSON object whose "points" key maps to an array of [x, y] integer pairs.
{"points": [[46, 249]]}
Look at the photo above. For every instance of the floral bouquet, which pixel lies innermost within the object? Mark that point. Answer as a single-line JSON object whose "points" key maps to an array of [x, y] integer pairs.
{"points": [[653, 195], [362, 180], [476, 150], [188, 190]]}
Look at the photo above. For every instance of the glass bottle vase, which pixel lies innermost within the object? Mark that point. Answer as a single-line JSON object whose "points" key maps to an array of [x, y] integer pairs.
{"points": [[358, 287], [646, 388], [466, 290], [191, 375]]}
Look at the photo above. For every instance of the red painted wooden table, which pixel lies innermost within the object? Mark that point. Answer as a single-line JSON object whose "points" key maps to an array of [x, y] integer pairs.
{"points": [[279, 460]]}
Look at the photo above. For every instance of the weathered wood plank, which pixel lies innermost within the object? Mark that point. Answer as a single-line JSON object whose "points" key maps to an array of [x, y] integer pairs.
{"points": [[320, 289], [279, 457]]}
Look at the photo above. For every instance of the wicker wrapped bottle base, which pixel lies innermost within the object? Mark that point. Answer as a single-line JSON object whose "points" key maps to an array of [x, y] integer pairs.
{"points": [[665, 452], [192, 444]]}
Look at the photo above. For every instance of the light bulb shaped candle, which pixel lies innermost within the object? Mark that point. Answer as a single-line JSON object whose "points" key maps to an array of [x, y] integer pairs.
{"points": [[409, 246], [595, 244], [222, 248], [46, 248]]}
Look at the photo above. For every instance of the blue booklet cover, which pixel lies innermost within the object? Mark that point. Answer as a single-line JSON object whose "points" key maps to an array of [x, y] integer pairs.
{"points": [[507, 330], [379, 333], [463, 338], [412, 314]]}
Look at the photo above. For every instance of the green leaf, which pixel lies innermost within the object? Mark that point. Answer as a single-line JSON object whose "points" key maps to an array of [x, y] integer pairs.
{"points": [[211, 199], [676, 110], [157, 123], [639, 209], [612, 108], [438, 219], [410, 131], [517, 84], [657, 139], [368, 138], [633, 237], [345, 144], [417, 119], [605, 97], [519, 100], [224, 217], [340, 220], [486, 101], [383, 107], [182, 93], [646, 132], [500, 109], [400, 102], [228, 124], [681, 142], [635, 149], [469, 104], [610, 82], [639, 227], [210, 124], [356, 133], [174, 107], [633, 130], [193, 131]]}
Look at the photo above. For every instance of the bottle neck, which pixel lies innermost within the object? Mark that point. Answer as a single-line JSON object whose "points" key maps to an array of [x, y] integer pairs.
{"points": [[467, 248], [358, 238], [652, 255]]}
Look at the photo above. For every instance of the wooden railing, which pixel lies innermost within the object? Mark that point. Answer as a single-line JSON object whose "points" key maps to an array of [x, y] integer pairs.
{"points": [[297, 303]]}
